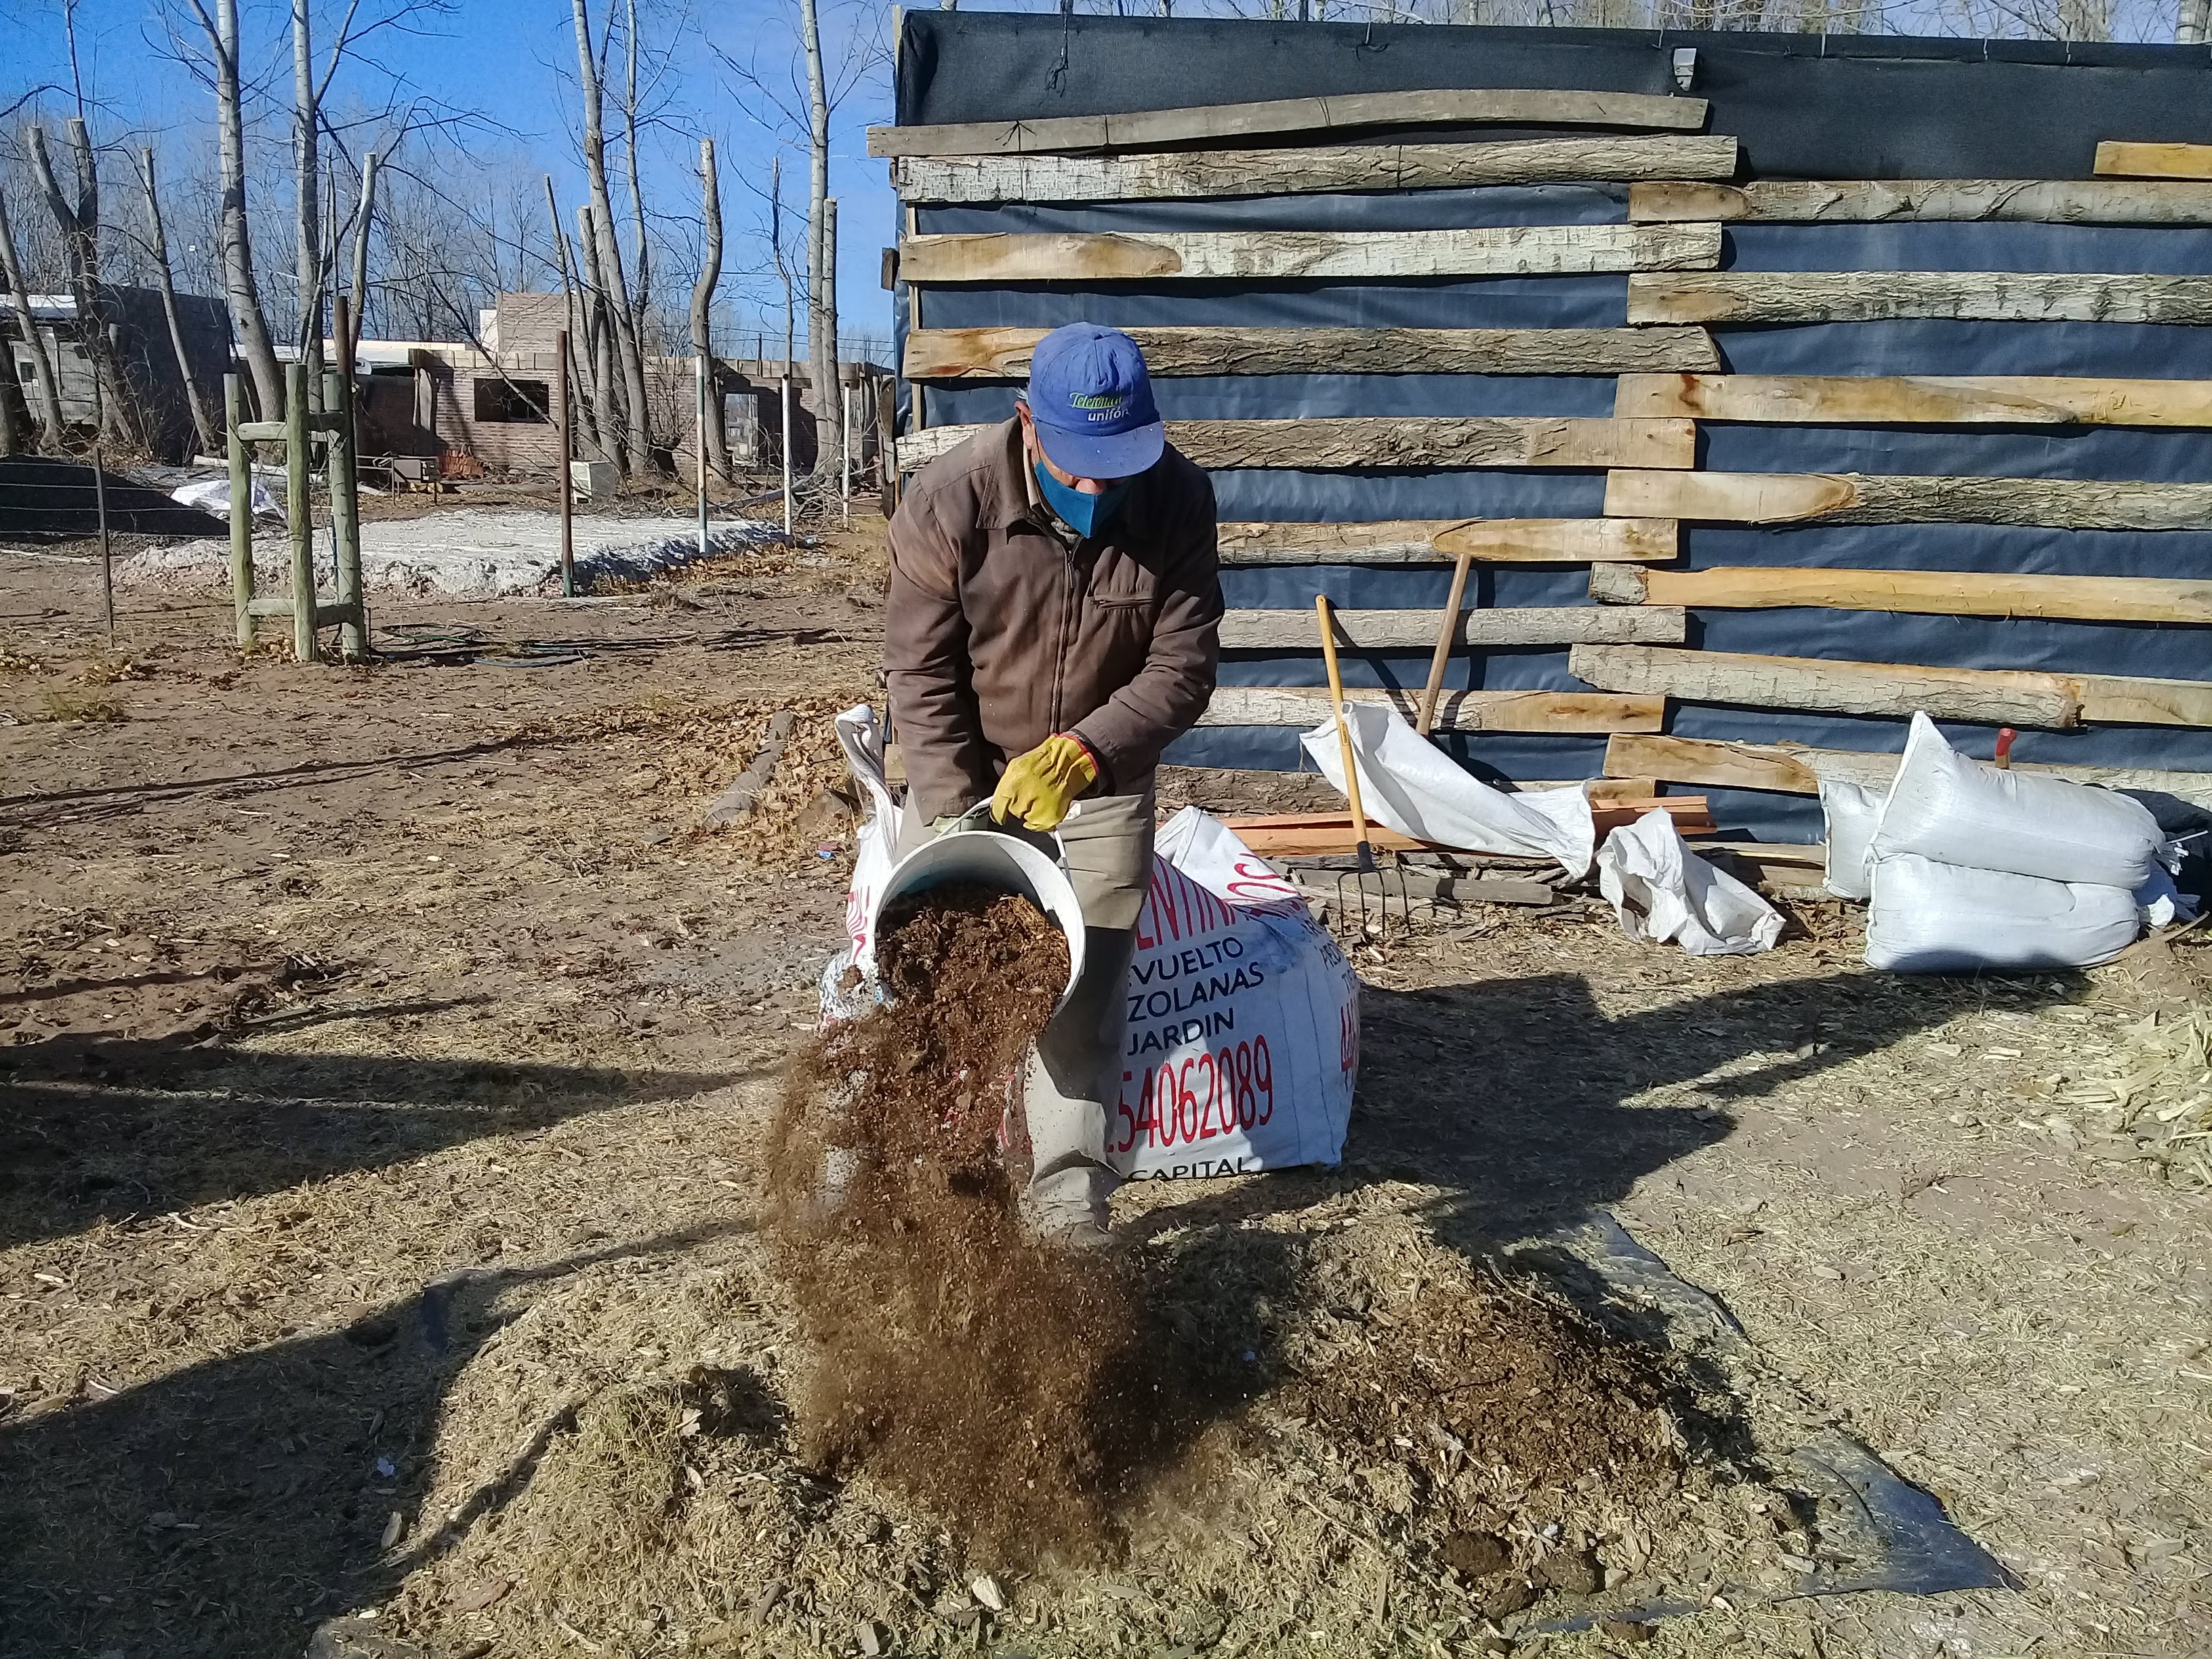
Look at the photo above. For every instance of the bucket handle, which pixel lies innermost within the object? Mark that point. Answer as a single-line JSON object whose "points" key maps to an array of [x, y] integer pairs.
{"points": [[978, 817]]}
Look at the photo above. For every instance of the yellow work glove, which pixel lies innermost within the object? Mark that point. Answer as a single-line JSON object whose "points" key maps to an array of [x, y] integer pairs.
{"points": [[1038, 787]]}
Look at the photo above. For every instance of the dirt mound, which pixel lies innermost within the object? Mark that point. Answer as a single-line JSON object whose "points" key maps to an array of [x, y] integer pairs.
{"points": [[1000, 1381]]}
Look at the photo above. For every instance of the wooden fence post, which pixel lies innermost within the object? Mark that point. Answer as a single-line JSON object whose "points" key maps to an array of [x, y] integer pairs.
{"points": [[241, 513], [297, 511], [345, 515]]}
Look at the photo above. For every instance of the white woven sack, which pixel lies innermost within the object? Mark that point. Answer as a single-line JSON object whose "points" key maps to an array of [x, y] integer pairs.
{"points": [[1953, 809], [1241, 1043], [1851, 811], [1662, 891], [1407, 784], [1930, 918]]}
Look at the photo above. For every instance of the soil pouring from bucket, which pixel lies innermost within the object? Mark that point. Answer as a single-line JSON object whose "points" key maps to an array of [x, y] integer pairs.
{"points": [[993, 1377]]}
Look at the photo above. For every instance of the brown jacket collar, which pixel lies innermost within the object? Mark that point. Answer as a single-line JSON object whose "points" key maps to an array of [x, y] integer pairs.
{"points": [[1014, 497]]}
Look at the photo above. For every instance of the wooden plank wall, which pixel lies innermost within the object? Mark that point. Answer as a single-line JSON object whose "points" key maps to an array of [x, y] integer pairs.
{"points": [[1633, 646]]}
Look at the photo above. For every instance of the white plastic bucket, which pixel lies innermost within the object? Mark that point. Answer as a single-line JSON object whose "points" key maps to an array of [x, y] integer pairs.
{"points": [[990, 860]]}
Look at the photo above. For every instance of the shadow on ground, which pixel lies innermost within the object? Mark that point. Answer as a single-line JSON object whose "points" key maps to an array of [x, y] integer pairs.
{"points": [[228, 1508], [95, 1127]]}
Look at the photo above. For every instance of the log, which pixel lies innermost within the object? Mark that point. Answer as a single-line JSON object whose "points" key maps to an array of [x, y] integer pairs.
{"points": [[1436, 541], [2115, 158], [1863, 498], [1460, 711], [1147, 129], [1285, 255], [1993, 696], [1312, 835], [1925, 592], [1875, 201], [1395, 441], [1792, 769], [1859, 296], [1410, 889], [1880, 400], [1408, 630], [1181, 174], [2126, 700], [1003, 354], [739, 800]]}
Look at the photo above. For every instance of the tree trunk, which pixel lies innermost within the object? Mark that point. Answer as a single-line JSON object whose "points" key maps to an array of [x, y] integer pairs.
{"points": [[203, 424], [359, 288], [581, 367], [15, 437], [79, 228], [42, 362], [821, 303], [636, 454], [598, 327], [642, 299], [702, 308], [239, 288], [306, 173], [2190, 26]]}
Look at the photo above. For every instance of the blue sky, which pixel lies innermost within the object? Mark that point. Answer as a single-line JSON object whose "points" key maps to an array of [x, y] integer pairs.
{"points": [[513, 62]]}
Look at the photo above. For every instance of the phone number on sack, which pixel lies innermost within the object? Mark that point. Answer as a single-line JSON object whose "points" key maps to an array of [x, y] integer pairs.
{"points": [[1214, 1092]]}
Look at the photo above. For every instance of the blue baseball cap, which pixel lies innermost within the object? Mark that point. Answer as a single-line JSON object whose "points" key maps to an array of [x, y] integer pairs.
{"points": [[1092, 402]]}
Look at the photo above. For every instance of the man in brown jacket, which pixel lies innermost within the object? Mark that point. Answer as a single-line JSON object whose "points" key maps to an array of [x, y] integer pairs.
{"points": [[1054, 625]]}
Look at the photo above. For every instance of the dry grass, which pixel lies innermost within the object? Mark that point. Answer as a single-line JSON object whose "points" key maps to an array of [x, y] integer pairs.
{"points": [[63, 708]]}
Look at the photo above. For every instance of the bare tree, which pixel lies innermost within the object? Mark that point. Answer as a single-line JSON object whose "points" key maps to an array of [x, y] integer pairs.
{"points": [[606, 252], [703, 306], [80, 226], [42, 362], [821, 301], [248, 320], [363, 215], [607, 392], [583, 410], [203, 424]]}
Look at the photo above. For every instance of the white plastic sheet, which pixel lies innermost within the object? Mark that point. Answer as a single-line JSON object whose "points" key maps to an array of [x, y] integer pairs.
{"points": [[1663, 892], [1953, 809], [1931, 918], [1407, 784], [213, 496]]}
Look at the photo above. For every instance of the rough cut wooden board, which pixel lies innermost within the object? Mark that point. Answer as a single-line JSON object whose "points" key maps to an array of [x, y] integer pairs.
{"points": [[1792, 769], [1395, 441], [1863, 498], [2117, 158], [1920, 400], [1145, 129], [1456, 711], [1432, 541], [1872, 201], [1296, 837], [1926, 593], [1993, 696], [1283, 255], [1003, 354], [1176, 174], [1858, 296], [1409, 630]]}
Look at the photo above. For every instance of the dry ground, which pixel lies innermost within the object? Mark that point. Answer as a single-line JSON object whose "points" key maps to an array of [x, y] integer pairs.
{"points": [[385, 1055]]}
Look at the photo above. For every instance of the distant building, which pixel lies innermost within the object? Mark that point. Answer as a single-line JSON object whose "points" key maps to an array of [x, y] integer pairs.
{"points": [[150, 361], [495, 408]]}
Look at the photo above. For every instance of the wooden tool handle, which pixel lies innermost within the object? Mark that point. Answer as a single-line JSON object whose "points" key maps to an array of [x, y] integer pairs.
{"points": [[1343, 726], [1447, 636]]}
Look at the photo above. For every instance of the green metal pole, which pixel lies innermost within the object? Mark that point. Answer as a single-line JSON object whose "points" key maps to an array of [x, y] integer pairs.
{"points": [[241, 513], [299, 512]]}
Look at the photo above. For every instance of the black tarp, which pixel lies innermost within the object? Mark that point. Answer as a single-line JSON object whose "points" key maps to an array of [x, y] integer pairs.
{"points": [[1844, 109]]}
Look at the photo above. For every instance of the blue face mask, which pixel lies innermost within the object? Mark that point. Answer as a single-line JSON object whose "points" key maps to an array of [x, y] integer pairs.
{"points": [[1081, 513]]}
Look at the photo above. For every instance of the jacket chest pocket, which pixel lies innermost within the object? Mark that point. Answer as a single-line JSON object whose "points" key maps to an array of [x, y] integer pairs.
{"points": [[1121, 584]]}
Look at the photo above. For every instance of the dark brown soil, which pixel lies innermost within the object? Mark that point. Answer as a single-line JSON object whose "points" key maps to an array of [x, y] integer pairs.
{"points": [[1002, 1380]]}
